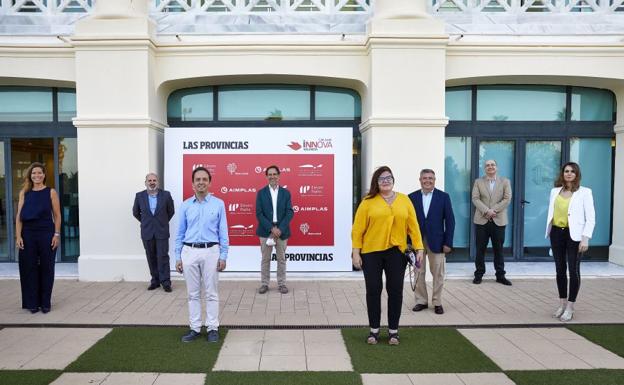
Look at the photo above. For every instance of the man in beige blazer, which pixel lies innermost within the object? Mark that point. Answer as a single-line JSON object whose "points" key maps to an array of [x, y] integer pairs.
{"points": [[491, 194]]}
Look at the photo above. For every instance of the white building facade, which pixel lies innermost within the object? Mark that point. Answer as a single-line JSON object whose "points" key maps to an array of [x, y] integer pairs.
{"points": [[89, 88]]}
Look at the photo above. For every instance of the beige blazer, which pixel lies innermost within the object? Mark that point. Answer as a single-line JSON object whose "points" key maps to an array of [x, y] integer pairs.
{"points": [[483, 200]]}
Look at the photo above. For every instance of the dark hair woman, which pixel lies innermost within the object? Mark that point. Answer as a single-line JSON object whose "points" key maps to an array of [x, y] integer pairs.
{"points": [[37, 235], [382, 223], [570, 224]]}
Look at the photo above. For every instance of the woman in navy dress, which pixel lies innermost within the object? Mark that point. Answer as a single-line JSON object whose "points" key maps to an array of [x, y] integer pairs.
{"points": [[37, 235]]}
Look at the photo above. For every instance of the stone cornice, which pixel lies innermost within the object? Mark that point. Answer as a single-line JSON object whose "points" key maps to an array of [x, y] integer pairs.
{"points": [[107, 122], [403, 122], [619, 128]]}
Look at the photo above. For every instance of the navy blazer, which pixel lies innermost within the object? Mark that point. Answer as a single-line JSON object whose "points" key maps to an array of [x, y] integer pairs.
{"points": [[439, 226], [153, 225], [264, 212]]}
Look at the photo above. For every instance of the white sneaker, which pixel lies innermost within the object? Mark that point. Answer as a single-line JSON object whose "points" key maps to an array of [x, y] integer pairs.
{"points": [[559, 311], [567, 315]]}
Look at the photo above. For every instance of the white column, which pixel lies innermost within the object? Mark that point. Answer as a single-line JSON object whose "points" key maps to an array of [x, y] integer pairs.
{"points": [[616, 250], [405, 114], [119, 139]]}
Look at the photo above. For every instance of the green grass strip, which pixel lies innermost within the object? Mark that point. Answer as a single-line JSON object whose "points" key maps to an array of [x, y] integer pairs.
{"points": [[610, 337], [143, 349], [568, 377], [283, 378], [28, 377], [422, 350]]}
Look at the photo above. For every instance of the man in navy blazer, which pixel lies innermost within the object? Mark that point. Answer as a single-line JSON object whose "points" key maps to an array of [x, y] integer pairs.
{"points": [[437, 225], [274, 212], [153, 207]]}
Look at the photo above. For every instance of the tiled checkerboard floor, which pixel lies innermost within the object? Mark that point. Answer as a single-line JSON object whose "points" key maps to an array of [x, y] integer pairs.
{"points": [[308, 350]]}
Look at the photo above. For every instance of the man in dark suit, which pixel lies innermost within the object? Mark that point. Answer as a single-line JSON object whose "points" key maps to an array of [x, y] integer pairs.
{"points": [[153, 207], [437, 225], [274, 212]]}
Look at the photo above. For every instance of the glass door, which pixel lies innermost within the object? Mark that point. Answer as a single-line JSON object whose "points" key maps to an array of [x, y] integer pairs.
{"points": [[5, 236], [541, 168], [503, 152]]}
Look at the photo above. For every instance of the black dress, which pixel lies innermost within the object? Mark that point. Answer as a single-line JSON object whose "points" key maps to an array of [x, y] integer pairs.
{"points": [[36, 259]]}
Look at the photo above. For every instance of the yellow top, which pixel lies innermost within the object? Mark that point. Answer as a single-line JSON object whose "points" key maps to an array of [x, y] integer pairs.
{"points": [[560, 217], [379, 226]]}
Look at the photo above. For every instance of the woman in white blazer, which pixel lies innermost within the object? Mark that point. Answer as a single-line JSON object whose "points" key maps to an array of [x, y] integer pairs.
{"points": [[570, 224]]}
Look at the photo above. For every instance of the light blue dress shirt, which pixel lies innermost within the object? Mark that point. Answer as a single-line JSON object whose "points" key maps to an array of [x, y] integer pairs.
{"points": [[426, 201], [203, 221], [153, 201]]}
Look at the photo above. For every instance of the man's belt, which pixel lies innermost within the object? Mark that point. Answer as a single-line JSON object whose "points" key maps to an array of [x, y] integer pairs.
{"points": [[201, 245]]}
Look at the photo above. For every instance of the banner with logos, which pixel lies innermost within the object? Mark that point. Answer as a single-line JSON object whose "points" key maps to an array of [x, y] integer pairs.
{"points": [[315, 166]]}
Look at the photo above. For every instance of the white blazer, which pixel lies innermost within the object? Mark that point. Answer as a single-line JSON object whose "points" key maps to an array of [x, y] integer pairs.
{"points": [[581, 214]]}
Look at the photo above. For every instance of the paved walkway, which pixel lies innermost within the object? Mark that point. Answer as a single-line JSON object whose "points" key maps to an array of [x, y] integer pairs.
{"points": [[327, 303], [309, 350]]}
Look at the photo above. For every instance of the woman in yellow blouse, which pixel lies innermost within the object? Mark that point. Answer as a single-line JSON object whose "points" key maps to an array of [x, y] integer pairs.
{"points": [[570, 224], [382, 223]]}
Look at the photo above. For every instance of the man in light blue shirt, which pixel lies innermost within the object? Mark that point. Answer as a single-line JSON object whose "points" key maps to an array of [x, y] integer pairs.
{"points": [[201, 251]]}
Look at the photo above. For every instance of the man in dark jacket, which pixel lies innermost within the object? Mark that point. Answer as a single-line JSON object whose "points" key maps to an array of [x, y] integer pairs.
{"points": [[274, 212], [153, 207], [437, 225]]}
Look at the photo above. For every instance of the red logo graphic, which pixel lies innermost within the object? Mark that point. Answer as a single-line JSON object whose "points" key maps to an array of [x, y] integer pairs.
{"points": [[294, 145]]}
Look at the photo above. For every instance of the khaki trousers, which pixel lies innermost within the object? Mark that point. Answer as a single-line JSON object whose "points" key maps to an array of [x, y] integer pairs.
{"points": [[265, 265], [437, 266]]}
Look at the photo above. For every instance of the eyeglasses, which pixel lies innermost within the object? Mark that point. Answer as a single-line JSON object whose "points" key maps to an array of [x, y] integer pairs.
{"points": [[388, 178]]}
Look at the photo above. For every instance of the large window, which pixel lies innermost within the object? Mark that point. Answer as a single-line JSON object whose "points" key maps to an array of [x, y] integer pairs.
{"points": [[268, 103], [271, 105], [35, 126], [530, 131]]}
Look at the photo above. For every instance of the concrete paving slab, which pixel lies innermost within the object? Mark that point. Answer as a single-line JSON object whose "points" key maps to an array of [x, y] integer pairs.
{"points": [[80, 379], [541, 348], [385, 379], [180, 378], [290, 363], [485, 379], [329, 363], [237, 363], [45, 348], [435, 379]]}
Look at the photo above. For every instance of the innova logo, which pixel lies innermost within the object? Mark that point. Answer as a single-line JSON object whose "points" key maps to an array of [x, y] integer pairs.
{"points": [[294, 145], [319, 144]]}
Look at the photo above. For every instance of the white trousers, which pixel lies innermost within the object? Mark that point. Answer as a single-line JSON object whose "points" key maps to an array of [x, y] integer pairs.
{"points": [[201, 265]]}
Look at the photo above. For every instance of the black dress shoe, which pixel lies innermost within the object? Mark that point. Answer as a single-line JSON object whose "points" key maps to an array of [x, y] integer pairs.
{"points": [[153, 286], [419, 307], [45, 310], [35, 310], [438, 309], [167, 288], [476, 280], [504, 281]]}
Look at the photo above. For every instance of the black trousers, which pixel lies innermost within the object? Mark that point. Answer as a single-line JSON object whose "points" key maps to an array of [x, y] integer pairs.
{"points": [[393, 263], [497, 234], [36, 267], [157, 252], [566, 252]]}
